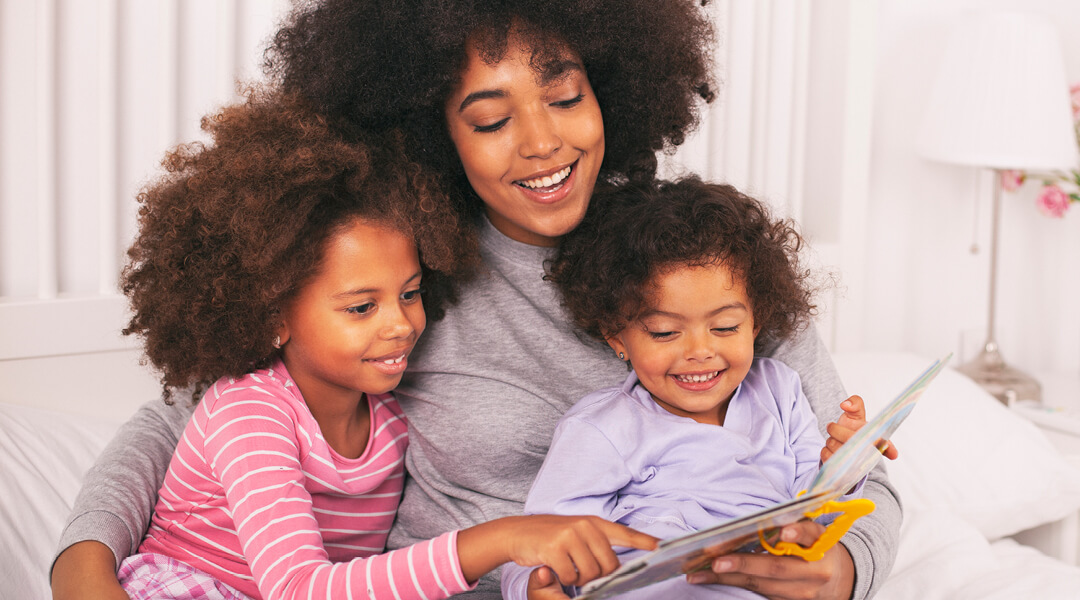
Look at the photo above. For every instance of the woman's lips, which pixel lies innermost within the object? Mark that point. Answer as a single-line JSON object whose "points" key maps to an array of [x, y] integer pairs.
{"points": [[559, 185]]}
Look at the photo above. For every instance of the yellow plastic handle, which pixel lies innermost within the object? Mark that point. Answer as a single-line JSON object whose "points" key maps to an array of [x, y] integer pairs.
{"points": [[851, 509]]}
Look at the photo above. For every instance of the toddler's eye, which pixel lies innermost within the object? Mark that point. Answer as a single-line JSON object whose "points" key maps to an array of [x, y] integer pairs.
{"points": [[362, 309]]}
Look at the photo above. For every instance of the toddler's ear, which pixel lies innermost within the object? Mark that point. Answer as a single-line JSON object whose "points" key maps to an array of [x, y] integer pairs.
{"points": [[617, 345]]}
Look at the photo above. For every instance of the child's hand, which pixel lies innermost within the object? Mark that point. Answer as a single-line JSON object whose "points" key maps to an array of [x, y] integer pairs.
{"points": [[577, 549], [543, 585], [852, 420]]}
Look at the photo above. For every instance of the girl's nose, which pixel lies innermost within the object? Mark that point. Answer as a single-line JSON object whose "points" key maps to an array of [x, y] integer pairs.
{"points": [[699, 347], [539, 137], [397, 324]]}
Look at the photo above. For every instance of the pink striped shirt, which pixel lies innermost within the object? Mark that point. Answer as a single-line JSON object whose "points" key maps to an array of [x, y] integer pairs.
{"points": [[255, 497]]}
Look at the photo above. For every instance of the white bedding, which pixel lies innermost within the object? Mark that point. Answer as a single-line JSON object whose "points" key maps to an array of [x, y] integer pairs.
{"points": [[970, 472]]}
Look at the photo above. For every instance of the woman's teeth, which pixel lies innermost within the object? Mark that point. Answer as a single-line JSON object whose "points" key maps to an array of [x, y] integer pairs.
{"points": [[547, 180], [697, 378]]}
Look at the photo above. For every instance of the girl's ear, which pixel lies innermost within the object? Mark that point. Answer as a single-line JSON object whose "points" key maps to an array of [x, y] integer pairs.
{"points": [[617, 345], [282, 335]]}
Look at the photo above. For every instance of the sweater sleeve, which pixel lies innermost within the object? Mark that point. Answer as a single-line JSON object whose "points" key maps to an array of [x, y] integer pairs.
{"points": [[581, 475], [119, 492], [873, 539], [251, 445]]}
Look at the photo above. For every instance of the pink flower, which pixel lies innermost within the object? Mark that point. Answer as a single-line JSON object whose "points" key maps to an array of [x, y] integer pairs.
{"points": [[1052, 202], [1074, 95], [1011, 180]]}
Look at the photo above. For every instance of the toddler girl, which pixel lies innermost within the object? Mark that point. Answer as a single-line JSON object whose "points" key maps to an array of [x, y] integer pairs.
{"points": [[682, 280], [282, 269]]}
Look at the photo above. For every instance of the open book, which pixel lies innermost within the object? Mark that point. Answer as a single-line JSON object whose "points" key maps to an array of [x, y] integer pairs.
{"points": [[751, 533]]}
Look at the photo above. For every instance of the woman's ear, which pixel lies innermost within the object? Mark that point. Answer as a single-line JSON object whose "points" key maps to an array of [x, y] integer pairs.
{"points": [[617, 345]]}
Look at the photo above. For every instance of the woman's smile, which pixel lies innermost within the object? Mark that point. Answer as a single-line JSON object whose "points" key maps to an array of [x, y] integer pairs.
{"points": [[531, 143]]}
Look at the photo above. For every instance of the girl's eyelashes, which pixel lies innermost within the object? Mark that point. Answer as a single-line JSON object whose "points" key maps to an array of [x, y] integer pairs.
{"points": [[660, 335], [361, 309], [732, 329], [412, 295]]}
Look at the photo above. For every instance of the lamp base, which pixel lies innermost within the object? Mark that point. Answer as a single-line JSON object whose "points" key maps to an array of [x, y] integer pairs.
{"points": [[1005, 383]]}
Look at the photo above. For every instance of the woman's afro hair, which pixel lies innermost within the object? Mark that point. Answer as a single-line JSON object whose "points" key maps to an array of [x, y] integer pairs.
{"points": [[605, 267], [233, 228], [378, 65]]}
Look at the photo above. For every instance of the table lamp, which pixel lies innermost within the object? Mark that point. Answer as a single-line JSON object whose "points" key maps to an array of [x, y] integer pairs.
{"points": [[1000, 101]]}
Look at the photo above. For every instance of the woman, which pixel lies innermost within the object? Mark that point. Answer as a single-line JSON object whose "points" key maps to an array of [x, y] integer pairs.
{"points": [[523, 108]]}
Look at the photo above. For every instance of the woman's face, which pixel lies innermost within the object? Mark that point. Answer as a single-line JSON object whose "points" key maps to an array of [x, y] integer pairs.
{"points": [[531, 146]]}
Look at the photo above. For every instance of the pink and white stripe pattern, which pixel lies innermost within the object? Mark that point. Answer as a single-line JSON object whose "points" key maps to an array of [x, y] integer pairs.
{"points": [[255, 497]]}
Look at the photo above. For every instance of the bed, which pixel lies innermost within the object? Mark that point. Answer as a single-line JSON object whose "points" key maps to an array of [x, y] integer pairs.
{"points": [[971, 473]]}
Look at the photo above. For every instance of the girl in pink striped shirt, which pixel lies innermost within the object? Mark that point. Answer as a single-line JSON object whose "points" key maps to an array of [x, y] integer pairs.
{"points": [[280, 269]]}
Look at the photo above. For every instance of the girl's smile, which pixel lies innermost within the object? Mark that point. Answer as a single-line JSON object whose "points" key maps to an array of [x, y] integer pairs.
{"points": [[694, 345], [352, 325]]}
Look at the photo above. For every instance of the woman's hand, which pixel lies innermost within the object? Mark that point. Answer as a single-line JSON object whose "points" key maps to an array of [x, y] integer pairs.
{"points": [[86, 570], [787, 577], [852, 420], [577, 549]]}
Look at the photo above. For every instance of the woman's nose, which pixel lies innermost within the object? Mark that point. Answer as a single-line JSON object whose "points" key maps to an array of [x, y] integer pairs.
{"points": [[539, 135]]}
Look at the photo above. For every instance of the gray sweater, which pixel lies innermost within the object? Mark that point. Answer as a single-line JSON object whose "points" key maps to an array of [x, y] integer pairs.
{"points": [[484, 390]]}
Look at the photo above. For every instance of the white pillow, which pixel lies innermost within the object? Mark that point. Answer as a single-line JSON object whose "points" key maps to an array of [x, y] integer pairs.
{"points": [[43, 456], [962, 451]]}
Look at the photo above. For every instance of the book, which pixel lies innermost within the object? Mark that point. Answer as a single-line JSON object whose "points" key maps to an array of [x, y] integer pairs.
{"points": [[753, 532]]}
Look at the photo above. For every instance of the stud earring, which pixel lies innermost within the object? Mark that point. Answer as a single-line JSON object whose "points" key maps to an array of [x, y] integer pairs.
{"points": [[277, 341], [622, 356]]}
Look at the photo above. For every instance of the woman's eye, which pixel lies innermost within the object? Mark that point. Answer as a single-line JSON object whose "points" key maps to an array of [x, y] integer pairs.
{"points": [[362, 309], [493, 127], [412, 295], [570, 102]]}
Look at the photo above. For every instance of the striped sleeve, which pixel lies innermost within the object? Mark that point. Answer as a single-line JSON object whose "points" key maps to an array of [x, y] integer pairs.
{"points": [[251, 445]]}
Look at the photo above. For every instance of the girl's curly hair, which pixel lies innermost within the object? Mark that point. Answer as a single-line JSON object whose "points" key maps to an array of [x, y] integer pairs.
{"points": [[376, 65], [234, 228], [605, 267]]}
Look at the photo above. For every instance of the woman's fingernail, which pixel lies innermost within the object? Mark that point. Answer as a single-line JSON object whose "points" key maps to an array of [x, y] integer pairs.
{"points": [[721, 564]]}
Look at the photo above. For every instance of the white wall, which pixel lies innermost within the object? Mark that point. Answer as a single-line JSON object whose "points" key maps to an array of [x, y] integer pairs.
{"points": [[925, 290]]}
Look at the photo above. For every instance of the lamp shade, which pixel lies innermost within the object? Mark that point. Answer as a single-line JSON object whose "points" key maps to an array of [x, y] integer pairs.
{"points": [[1000, 99]]}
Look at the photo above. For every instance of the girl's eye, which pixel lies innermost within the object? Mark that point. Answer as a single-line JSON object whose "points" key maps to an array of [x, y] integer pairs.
{"points": [[412, 295], [362, 309], [727, 329], [570, 102], [660, 335], [489, 128]]}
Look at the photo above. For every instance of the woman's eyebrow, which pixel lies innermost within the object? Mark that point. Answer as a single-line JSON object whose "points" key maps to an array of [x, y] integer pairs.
{"points": [[481, 95]]}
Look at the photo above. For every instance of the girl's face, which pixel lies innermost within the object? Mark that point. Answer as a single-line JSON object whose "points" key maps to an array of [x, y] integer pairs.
{"points": [[531, 147], [351, 327], [695, 343]]}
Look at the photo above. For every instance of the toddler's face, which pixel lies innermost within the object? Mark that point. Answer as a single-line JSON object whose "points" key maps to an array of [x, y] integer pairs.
{"points": [[694, 344], [352, 326]]}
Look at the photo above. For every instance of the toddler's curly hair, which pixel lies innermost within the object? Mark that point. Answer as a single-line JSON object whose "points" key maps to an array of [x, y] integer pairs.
{"points": [[606, 266], [234, 228], [376, 65]]}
